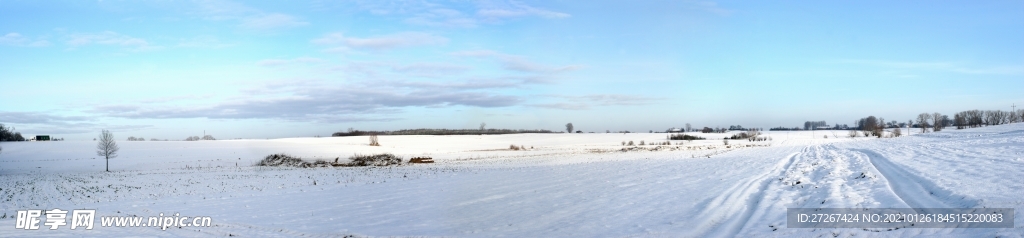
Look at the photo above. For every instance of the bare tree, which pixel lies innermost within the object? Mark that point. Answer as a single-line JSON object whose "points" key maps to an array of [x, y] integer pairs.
{"points": [[936, 121], [107, 147], [922, 121], [896, 132], [483, 126], [568, 127], [1014, 117], [373, 140], [688, 128]]}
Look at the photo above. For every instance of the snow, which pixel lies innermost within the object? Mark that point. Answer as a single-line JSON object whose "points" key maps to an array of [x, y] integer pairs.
{"points": [[567, 185]]}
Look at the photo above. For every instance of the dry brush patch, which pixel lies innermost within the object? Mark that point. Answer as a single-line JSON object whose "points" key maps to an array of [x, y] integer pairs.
{"points": [[283, 160]]}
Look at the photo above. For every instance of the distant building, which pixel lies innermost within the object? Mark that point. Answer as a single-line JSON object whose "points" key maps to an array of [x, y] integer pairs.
{"points": [[42, 138], [673, 129]]}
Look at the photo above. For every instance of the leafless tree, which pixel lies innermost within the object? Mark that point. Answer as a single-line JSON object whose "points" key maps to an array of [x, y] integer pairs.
{"points": [[936, 121], [994, 117], [896, 132], [373, 140], [1014, 117], [922, 121], [688, 127], [482, 126], [568, 127], [960, 119], [107, 147]]}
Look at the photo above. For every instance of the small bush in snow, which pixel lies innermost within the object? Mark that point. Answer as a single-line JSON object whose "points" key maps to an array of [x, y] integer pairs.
{"points": [[630, 143]]}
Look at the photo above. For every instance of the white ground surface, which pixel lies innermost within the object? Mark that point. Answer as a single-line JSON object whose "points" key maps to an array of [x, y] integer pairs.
{"points": [[577, 185]]}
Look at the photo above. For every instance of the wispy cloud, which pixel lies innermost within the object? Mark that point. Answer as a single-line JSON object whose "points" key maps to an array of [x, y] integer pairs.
{"points": [[708, 6], [247, 17], [110, 38], [271, 21], [585, 102], [15, 39], [281, 62], [430, 69], [456, 13], [312, 102], [53, 124], [517, 63], [442, 17], [384, 42], [517, 9]]}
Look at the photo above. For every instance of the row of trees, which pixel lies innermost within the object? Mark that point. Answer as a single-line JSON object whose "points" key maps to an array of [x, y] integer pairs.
{"points": [[977, 118], [196, 138], [809, 125]]}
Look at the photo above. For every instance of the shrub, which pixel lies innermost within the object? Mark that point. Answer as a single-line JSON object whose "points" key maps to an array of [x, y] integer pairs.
{"points": [[684, 137], [421, 160], [853, 134], [282, 160], [384, 159], [896, 132], [630, 143], [641, 142]]}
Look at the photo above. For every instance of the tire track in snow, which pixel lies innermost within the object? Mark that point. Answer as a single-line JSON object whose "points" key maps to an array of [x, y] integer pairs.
{"points": [[731, 211], [915, 191]]}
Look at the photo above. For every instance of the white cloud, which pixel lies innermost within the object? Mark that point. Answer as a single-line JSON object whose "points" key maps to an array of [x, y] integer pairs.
{"points": [[442, 17], [15, 39], [316, 102], [517, 63], [385, 42], [109, 38], [248, 17], [271, 21], [430, 69], [517, 9]]}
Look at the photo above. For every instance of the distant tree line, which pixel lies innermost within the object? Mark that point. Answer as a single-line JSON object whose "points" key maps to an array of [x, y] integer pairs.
{"points": [[352, 132], [811, 125], [977, 118], [684, 137]]}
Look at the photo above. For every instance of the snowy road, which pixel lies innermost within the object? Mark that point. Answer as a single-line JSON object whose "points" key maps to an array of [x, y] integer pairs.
{"points": [[555, 191]]}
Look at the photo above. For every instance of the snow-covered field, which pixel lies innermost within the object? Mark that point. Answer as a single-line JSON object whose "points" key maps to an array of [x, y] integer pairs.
{"points": [[577, 185]]}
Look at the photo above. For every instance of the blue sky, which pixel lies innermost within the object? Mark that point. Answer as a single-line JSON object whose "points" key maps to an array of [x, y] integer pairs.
{"points": [[271, 69]]}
